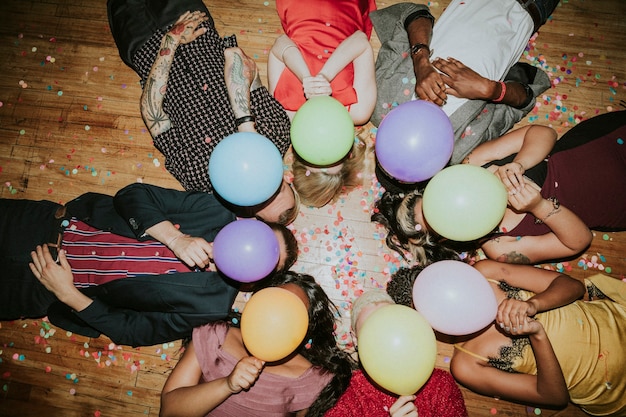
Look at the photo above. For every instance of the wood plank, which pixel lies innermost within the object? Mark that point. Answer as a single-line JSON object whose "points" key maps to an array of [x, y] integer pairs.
{"points": [[70, 123]]}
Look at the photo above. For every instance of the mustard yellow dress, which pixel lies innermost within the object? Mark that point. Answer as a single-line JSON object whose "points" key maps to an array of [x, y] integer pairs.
{"points": [[589, 340]]}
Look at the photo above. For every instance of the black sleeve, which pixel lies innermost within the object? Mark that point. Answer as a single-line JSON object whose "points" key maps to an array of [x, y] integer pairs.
{"points": [[416, 15], [151, 309], [144, 205]]}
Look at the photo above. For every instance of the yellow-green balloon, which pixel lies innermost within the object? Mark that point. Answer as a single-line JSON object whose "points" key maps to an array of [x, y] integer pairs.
{"points": [[397, 348], [322, 131], [464, 202]]}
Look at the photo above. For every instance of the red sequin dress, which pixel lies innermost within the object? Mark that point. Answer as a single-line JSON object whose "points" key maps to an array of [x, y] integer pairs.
{"points": [[318, 27], [439, 397]]}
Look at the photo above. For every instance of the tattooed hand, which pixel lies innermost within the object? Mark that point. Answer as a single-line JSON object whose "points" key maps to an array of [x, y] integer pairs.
{"points": [[185, 29]]}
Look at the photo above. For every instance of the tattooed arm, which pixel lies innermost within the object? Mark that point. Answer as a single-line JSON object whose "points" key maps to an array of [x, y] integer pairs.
{"points": [[241, 77], [183, 31], [568, 235]]}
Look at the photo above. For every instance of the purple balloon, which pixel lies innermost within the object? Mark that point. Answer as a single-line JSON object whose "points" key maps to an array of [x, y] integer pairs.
{"points": [[246, 250], [414, 141]]}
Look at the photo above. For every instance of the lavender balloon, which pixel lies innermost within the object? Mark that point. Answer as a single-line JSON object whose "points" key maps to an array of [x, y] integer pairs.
{"points": [[246, 250], [454, 297], [414, 141]]}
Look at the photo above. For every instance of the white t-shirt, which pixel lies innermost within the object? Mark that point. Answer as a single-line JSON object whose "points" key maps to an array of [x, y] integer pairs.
{"points": [[489, 36]]}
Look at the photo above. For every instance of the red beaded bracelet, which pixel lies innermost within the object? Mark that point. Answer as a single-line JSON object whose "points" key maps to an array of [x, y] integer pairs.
{"points": [[502, 92]]}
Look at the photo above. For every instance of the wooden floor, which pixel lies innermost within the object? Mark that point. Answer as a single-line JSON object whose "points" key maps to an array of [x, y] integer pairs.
{"points": [[69, 123]]}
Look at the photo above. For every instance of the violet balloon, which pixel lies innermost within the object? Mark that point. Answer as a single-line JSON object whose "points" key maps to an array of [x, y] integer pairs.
{"points": [[414, 141], [454, 297], [246, 250]]}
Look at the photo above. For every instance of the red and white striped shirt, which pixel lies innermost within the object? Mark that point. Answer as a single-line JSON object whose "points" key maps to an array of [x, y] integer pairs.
{"points": [[97, 256]]}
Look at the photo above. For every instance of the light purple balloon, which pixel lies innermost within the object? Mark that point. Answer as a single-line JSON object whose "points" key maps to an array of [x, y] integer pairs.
{"points": [[414, 141], [246, 250], [454, 297]]}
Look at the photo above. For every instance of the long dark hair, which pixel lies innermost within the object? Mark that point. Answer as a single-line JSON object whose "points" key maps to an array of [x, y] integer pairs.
{"points": [[396, 212], [319, 345]]}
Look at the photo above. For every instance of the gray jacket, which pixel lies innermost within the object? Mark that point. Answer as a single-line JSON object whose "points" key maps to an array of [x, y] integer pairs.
{"points": [[486, 120]]}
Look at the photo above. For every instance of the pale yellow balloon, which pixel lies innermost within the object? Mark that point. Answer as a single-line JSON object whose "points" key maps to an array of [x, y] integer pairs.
{"points": [[273, 323], [397, 348]]}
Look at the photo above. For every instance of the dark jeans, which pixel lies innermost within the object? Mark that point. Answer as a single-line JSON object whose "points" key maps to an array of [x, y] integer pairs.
{"points": [[24, 224], [133, 22], [546, 8]]}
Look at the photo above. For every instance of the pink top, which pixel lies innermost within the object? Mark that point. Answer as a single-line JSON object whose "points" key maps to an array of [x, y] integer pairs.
{"points": [[318, 27], [439, 397], [271, 395]]}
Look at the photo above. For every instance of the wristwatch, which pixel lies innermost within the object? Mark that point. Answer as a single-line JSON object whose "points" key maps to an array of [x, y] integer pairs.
{"points": [[418, 47]]}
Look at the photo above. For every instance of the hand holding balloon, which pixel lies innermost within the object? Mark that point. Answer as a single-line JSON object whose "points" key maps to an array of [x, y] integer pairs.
{"points": [[403, 407], [245, 374]]}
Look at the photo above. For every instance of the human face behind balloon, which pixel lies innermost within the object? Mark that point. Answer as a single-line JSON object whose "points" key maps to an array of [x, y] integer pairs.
{"points": [[365, 313], [298, 291], [418, 216], [282, 201], [282, 251]]}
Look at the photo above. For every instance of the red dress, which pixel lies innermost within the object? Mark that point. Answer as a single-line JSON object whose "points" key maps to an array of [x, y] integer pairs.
{"points": [[318, 27], [439, 397]]}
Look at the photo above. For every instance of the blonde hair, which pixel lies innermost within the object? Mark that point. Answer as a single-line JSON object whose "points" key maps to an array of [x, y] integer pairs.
{"points": [[320, 188], [374, 296]]}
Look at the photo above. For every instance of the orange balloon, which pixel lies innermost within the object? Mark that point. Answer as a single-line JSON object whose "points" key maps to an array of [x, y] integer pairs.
{"points": [[273, 323]]}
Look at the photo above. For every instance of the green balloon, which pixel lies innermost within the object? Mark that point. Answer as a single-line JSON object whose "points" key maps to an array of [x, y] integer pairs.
{"points": [[322, 131], [464, 202]]}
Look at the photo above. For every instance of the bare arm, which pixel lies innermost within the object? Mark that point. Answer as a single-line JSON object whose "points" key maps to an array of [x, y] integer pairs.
{"points": [[287, 52], [464, 82], [185, 395], [569, 235], [429, 82], [151, 103], [355, 49], [531, 144], [241, 76], [194, 251], [547, 388], [552, 289], [345, 53], [58, 278]]}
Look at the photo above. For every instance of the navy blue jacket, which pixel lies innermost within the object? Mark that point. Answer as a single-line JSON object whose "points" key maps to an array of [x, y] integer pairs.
{"points": [[136, 311]]}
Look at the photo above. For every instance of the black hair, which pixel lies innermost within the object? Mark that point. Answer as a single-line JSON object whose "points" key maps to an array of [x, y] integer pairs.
{"points": [[291, 244], [395, 211], [319, 345], [400, 286]]}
